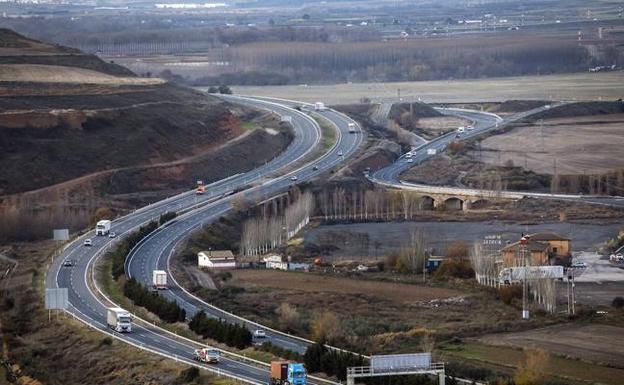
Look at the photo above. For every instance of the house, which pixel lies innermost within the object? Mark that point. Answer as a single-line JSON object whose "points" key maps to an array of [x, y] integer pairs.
{"points": [[275, 262], [544, 249], [216, 259]]}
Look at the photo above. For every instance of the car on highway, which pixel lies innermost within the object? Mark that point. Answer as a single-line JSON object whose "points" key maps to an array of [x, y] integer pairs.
{"points": [[87, 242], [410, 160], [579, 265], [470, 128], [340, 153], [457, 136], [68, 263], [314, 168], [112, 234], [293, 178], [461, 129], [259, 333]]}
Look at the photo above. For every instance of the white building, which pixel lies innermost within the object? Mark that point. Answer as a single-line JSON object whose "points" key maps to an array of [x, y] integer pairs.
{"points": [[275, 262], [216, 259]]}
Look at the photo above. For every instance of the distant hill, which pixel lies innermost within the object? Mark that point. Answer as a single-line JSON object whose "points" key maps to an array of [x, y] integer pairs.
{"points": [[17, 49]]}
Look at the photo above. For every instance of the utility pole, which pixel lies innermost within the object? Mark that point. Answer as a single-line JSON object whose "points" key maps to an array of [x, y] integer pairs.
{"points": [[525, 283]]}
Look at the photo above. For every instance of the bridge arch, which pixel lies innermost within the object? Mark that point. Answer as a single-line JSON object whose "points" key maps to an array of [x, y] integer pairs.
{"points": [[480, 203], [454, 204], [427, 202]]}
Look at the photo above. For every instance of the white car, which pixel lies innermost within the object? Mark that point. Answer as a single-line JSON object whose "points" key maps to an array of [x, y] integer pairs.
{"points": [[112, 234], [259, 333], [461, 129], [470, 128], [340, 153], [293, 178], [410, 160], [87, 242]]}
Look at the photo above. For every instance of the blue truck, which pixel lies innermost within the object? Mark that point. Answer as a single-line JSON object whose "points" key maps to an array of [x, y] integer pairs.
{"points": [[287, 373]]}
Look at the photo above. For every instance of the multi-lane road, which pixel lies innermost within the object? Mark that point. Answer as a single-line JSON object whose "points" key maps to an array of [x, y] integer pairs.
{"points": [[482, 122], [88, 304]]}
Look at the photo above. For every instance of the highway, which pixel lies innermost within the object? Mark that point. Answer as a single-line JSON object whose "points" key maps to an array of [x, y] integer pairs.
{"points": [[87, 302], [483, 122]]}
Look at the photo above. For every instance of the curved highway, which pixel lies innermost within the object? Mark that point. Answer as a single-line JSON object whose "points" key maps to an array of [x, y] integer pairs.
{"points": [[85, 298], [154, 252], [482, 122]]}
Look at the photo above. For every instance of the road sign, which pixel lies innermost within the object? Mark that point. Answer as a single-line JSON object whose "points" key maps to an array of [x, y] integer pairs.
{"points": [[60, 234], [56, 299], [536, 272], [394, 362]]}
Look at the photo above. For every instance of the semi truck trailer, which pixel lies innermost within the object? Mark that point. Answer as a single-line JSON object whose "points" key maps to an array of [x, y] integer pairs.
{"points": [[159, 279], [287, 373], [103, 227], [119, 320]]}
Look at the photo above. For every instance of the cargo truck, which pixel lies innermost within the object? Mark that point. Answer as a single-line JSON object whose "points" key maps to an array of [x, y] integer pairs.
{"points": [[209, 356], [103, 227], [319, 106], [159, 279], [287, 373], [119, 320]]}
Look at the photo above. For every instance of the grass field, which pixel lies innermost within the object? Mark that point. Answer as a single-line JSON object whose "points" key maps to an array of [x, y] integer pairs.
{"points": [[579, 86], [587, 144]]}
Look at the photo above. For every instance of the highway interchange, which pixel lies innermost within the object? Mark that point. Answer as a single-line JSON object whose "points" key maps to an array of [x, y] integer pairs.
{"points": [[87, 302]]}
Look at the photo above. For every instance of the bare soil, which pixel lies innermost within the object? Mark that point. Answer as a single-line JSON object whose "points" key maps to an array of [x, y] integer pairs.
{"points": [[60, 74], [315, 283], [37, 348], [443, 124], [602, 344], [585, 144]]}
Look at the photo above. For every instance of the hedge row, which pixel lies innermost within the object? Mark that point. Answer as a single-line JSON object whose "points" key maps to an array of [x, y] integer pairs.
{"points": [[230, 334]]}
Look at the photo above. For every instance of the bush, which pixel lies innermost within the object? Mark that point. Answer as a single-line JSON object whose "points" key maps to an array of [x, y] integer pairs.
{"points": [[188, 375], [230, 334], [168, 311], [618, 302], [166, 217], [318, 358], [458, 268], [106, 341], [508, 293]]}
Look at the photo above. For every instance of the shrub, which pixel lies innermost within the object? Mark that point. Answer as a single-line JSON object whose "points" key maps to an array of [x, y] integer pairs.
{"points": [[166, 217], [168, 311], [281, 352], [458, 249], [455, 268], [618, 302], [231, 334], [508, 293], [188, 375], [318, 358], [106, 341]]}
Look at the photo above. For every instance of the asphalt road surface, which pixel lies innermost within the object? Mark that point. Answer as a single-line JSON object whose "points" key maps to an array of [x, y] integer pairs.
{"points": [[85, 299]]}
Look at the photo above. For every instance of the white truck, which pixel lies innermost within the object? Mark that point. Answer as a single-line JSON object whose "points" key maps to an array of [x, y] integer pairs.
{"points": [[103, 227], [319, 106], [159, 279], [209, 356], [119, 320]]}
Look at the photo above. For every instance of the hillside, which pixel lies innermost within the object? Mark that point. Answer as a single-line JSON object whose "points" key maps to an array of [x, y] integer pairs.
{"points": [[74, 138]]}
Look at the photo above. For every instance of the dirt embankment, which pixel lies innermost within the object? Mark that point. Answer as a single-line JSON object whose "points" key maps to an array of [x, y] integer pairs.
{"points": [[36, 347]]}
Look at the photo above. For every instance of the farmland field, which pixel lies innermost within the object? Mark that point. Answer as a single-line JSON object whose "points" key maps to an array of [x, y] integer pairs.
{"points": [[313, 283], [587, 144], [595, 343], [579, 86], [61, 74]]}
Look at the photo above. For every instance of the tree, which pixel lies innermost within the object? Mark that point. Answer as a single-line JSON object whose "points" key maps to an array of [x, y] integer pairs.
{"points": [[288, 316], [533, 370], [101, 213], [414, 254], [223, 89], [325, 326]]}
